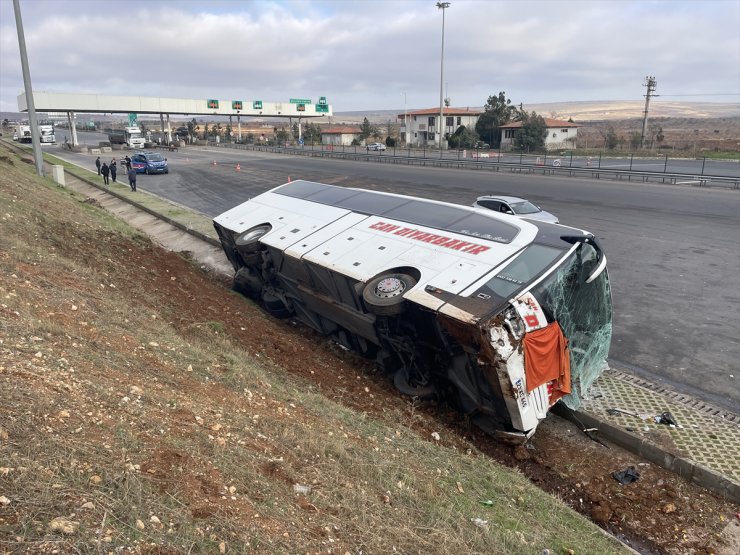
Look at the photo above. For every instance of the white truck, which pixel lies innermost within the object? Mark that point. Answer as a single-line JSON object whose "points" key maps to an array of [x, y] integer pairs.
{"points": [[129, 136], [46, 133], [500, 316]]}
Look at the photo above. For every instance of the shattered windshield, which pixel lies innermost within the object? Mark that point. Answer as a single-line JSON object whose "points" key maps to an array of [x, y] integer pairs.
{"points": [[532, 261], [584, 312]]}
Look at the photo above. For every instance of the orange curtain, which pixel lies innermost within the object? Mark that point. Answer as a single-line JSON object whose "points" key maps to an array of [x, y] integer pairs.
{"points": [[546, 359]]}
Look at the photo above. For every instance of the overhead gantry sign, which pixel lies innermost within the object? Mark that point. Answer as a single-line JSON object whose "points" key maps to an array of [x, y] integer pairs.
{"points": [[99, 103]]}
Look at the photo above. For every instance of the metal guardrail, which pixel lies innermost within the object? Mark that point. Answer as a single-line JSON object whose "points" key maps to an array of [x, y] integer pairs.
{"points": [[496, 164]]}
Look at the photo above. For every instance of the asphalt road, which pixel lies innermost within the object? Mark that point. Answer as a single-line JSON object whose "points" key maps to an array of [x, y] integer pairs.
{"points": [[673, 252]]}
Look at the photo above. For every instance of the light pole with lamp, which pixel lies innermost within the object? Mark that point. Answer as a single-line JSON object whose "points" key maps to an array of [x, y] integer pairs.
{"points": [[405, 120], [442, 6]]}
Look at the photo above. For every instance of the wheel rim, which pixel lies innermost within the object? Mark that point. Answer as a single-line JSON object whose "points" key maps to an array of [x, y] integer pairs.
{"points": [[390, 287]]}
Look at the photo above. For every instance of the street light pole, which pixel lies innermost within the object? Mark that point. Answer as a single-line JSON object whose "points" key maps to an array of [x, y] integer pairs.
{"points": [[405, 120], [442, 6], [33, 122]]}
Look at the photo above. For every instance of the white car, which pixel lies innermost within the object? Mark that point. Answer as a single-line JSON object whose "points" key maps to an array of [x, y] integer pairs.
{"points": [[515, 206], [376, 146]]}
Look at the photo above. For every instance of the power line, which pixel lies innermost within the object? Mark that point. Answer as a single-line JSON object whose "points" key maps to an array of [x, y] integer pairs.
{"points": [[704, 94]]}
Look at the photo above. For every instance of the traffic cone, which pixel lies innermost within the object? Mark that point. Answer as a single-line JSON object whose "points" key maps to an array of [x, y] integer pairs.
{"points": [[214, 163], [238, 167]]}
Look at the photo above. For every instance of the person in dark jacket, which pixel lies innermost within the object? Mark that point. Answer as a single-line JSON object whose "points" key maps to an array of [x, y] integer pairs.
{"points": [[105, 170], [128, 162], [132, 178], [97, 164], [113, 170]]}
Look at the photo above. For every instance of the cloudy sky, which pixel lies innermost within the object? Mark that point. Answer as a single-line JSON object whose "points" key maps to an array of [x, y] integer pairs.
{"points": [[364, 54]]}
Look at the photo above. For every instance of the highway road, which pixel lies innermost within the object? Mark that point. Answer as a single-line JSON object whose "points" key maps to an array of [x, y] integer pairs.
{"points": [[673, 251]]}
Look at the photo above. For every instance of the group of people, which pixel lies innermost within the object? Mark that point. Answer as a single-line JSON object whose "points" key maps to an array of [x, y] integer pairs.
{"points": [[111, 170]]}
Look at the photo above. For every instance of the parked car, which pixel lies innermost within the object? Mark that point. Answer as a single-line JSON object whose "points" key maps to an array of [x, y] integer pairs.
{"points": [[149, 162], [376, 146], [515, 206]]}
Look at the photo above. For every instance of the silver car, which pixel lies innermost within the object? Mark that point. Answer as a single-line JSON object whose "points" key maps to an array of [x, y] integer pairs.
{"points": [[515, 206]]}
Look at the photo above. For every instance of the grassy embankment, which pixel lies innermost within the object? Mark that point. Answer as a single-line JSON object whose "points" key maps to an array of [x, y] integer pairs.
{"points": [[132, 417]]}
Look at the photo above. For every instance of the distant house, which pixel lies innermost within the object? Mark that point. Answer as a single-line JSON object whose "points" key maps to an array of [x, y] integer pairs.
{"points": [[560, 134], [339, 136], [422, 124]]}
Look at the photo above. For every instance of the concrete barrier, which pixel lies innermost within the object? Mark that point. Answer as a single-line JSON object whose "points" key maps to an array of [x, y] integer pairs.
{"points": [[57, 173]]}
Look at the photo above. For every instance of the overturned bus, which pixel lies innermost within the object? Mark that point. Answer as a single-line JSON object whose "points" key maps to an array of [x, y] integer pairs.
{"points": [[500, 317]]}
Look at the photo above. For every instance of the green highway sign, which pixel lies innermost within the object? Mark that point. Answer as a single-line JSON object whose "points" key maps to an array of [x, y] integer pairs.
{"points": [[300, 101], [322, 101], [236, 104], [212, 104], [257, 105], [132, 120], [322, 108]]}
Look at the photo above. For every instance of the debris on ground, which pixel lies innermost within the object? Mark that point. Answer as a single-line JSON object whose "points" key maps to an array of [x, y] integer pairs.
{"points": [[627, 476]]}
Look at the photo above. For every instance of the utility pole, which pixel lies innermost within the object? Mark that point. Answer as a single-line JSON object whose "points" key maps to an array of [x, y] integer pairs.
{"points": [[650, 83], [442, 6], [33, 121]]}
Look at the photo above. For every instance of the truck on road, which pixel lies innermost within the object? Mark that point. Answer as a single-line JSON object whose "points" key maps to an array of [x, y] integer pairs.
{"points": [[129, 136], [46, 133]]}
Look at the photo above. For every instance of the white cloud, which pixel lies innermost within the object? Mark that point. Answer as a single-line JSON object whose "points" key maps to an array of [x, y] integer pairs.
{"points": [[362, 54]]}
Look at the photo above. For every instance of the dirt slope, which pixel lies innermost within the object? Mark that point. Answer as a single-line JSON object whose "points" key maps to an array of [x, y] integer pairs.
{"points": [[147, 409]]}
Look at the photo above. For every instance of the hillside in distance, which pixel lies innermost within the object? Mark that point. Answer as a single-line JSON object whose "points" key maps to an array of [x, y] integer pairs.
{"points": [[582, 111]]}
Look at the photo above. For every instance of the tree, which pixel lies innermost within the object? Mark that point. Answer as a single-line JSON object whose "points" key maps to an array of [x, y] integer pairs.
{"points": [[531, 135], [635, 140], [367, 130], [610, 138], [659, 135], [282, 136], [498, 111], [312, 133], [205, 132], [463, 138], [192, 126]]}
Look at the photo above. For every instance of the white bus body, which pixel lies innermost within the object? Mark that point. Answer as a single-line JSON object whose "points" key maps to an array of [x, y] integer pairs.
{"points": [[499, 316]]}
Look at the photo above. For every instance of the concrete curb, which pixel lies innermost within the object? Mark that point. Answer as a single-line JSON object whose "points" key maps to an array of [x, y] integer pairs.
{"points": [[686, 468]]}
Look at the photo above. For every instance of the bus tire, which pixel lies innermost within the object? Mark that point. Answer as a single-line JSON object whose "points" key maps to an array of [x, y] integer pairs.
{"points": [[383, 295], [248, 283], [402, 382], [275, 306]]}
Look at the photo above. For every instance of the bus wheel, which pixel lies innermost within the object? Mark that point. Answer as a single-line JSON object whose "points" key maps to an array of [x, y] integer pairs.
{"points": [[407, 384], [275, 305], [248, 283], [383, 295]]}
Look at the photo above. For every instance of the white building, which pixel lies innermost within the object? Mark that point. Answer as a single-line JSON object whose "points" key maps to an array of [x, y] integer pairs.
{"points": [[422, 124], [339, 136], [560, 134]]}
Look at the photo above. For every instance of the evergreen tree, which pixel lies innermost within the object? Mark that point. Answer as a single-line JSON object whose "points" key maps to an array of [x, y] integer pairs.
{"points": [[531, 136], [498, 111]]}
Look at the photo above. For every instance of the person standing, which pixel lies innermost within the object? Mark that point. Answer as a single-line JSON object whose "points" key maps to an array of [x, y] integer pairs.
{"points": [[105, 170], [128, 162], [113, 170], [97, 164], [132, 178]]}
